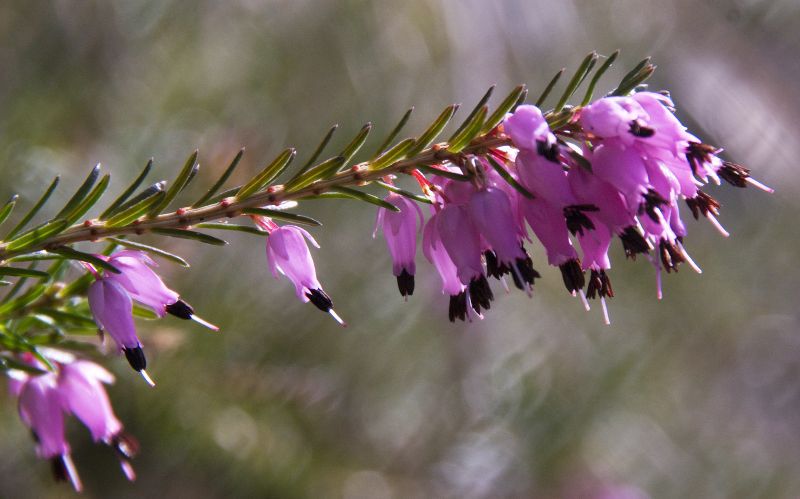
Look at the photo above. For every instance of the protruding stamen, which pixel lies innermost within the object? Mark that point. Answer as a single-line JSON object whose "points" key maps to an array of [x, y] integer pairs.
{"points": [[688, 258], [135, 357], [584, 300], [605, 311], [717, 225], [337, 318], [657, 265], [505, 284], [405, 283], [204, 322], [572, 275], [147, 378], [71, 473], [458, 307], [480, 294], [758, 185], [128, 470]]}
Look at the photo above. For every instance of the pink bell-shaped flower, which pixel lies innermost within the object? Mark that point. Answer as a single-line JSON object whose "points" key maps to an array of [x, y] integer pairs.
{"points": [[146, 287], [462, 241], [400, 230], [434, 251], [112, 308], [288, 254]]}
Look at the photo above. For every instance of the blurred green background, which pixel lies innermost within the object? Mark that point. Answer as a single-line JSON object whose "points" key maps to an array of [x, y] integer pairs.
{"points": [[694, 396]]}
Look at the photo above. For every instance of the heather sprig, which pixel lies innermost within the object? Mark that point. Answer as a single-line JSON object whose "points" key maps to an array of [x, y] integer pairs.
{"points": [[577, 176]]}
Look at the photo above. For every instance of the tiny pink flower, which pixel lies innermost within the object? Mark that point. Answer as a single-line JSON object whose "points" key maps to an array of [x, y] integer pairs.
{"points": [[112, 308], [288, 254], [146, 287], [400, 230]]}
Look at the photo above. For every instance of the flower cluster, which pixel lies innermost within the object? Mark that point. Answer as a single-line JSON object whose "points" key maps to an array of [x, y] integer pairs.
{"points": [[617, 170], [74, 387], [111, 297]]}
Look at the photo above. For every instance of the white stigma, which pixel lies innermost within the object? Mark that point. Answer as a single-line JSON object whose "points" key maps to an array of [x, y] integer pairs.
{"points": [[72, 473], [337, 318], [204, 322], [759, 185], [605, 311], [505, 284], [128, 470], [711, 218], [584, 300], [688, 258], [147, 378]]}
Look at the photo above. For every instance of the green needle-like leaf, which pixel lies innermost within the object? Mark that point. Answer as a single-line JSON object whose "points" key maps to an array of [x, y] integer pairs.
{"points": [[587, 98], [80, 194], [221, 181], [24, 299], [20, 283], [433, 131], [7, 208], [395, 132], [113, 208], [18, 272], [583, 70], [267, 175], [33, 211], [128, 215], [235, 227], [282, 215], [469, 132], [511, 101], [317, 151], [73, 254], [90, 200], [190, 234], [69, 318], [181, 181], [353, 147], [366, 197], [508, 178], [468, 121], [150, 249], [322, 170], [396, 153], [36, 235], [635, 77], [549, 88]]}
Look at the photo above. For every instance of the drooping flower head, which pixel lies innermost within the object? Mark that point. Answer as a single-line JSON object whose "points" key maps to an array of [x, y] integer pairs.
{"points": [[112, 308], [400, 230], [144, 286], [288, 254]]}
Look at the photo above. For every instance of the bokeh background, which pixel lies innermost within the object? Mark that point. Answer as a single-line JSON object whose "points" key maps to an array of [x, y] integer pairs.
{"points": [[697, 395]]}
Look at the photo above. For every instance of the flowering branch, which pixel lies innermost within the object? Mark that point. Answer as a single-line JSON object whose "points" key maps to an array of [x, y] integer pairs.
{"points": [[577, 176]]}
